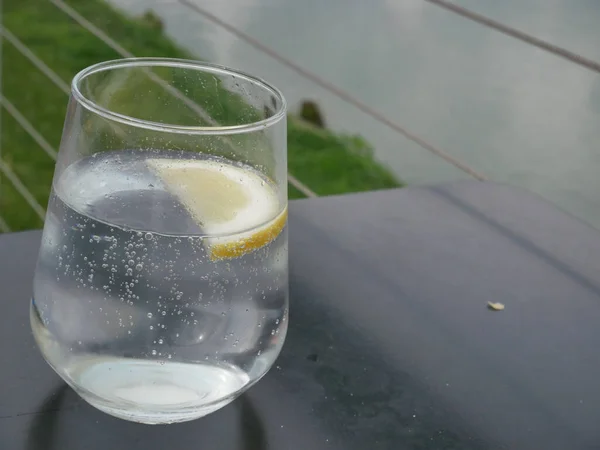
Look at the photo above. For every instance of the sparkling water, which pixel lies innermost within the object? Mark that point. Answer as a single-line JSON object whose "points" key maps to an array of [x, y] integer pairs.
{"points": [[130, 309]]}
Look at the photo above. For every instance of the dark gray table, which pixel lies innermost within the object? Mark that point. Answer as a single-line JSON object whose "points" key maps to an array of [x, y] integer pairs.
{"points": [[390, 346]]}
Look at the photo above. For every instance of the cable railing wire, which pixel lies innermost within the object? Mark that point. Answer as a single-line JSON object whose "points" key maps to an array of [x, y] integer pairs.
{"points": [[83, 22], [20, 46], [30, 129], [22, 190], [340, 93], [35, 60], [449, 6], [89, 26], [50, 74], [127, 54], [24, 123], [4, 168], [514, 33], [301, 186], [4, 226]]}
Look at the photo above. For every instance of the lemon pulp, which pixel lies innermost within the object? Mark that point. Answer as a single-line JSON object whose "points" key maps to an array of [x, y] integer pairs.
{"points": [[234, 205]]}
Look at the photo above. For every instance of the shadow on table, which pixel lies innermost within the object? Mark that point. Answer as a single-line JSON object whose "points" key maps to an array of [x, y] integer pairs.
{"points": [[81, 426]]}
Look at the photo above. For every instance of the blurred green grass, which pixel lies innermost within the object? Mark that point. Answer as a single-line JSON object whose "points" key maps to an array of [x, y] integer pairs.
{"points": [[328, 163]]}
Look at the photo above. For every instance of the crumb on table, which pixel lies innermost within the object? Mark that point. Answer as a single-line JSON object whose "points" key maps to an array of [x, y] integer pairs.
{"points": [[495, 306]]}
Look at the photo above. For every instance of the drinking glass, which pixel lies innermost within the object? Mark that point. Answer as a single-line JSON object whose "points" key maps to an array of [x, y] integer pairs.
{"points": [[160, 293]]}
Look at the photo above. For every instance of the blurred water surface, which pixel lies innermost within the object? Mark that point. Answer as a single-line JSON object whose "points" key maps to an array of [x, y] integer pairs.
{"points": [[514, 112]]}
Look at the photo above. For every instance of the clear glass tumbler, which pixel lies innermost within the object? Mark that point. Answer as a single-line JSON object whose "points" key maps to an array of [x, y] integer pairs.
{"points": [[160, 293]]}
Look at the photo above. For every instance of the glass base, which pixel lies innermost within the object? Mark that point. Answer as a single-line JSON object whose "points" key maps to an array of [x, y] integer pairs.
{"points": [[152, 416], [157, 392]]}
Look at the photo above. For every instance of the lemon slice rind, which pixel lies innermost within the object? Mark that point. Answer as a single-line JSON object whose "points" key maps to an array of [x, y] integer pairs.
{"points": [[239, 245], [222, 199]]}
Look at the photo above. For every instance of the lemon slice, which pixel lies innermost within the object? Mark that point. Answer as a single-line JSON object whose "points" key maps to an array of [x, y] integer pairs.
{"points": [[235, 206]]}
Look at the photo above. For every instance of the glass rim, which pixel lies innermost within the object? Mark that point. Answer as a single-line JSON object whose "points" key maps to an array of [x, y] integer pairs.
{"points": [[202, 66]]}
